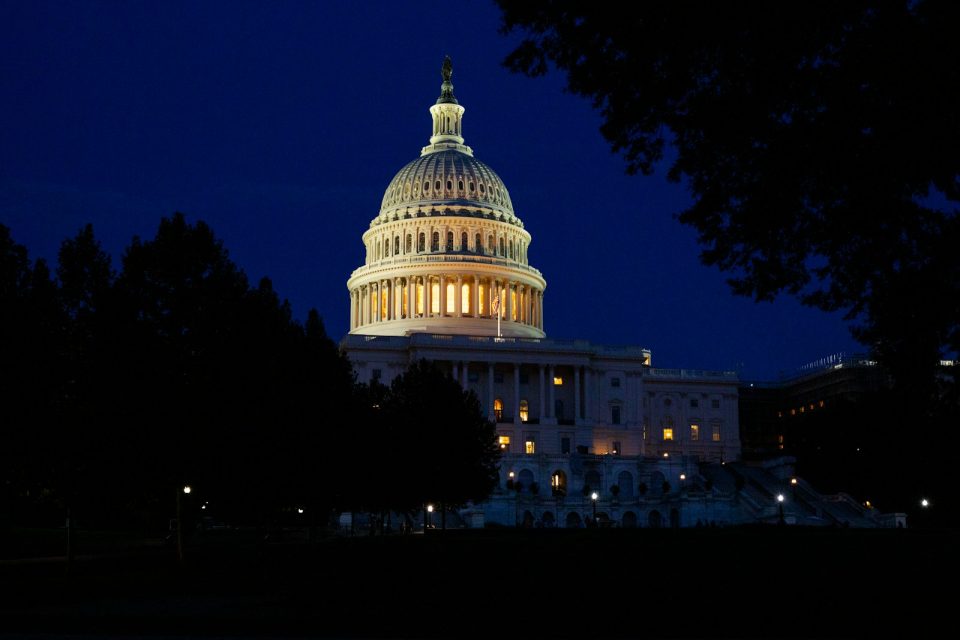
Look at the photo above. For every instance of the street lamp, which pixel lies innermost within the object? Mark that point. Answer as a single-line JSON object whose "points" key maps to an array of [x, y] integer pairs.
{"points": [[924, 503], [780, 500], [186, 490], [429, 511], [593, 497]]}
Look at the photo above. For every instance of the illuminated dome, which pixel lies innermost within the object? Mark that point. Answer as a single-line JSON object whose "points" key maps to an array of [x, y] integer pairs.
{"points": [[446, 254]]}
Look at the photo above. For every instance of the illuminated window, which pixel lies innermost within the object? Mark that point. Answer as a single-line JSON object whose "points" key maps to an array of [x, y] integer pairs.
{"points": [[715, 403], [498, 409], [558, 482], [694, 432], [464, 297], [530, 446], [615, 382], [615, 414], [451, 300], [821, 404], [780, 441], [435, 297], [716, 433], [557, 381], [504, 442], [615, 448], [524, 410], [793, 412], [668, 433]]}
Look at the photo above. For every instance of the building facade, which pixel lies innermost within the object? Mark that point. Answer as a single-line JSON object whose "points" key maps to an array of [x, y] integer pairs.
{"points": [[584, 428]]}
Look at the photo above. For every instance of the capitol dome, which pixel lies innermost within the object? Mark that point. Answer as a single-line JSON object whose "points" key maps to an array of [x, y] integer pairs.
{"points": [[446, 254]]}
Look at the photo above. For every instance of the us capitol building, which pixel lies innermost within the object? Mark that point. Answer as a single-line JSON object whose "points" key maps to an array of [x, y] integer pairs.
{"points": [[584, 428]]}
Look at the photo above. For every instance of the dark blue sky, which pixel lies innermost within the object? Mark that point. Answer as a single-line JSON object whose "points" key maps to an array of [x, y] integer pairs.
{"points": [[281, 124]]}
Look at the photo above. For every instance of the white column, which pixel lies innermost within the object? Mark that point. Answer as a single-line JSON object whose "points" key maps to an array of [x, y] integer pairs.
{"points": [[543, 391], [490, 398], [458, 297], [551, 407], [516, 393], [443, 294], [476, 297], [576, 394], [588, 394], [427, 296]]}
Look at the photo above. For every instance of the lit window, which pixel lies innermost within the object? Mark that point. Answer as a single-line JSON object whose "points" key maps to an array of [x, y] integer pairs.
{"points": [[498, 409], [716, 433], [668, 434], [530, 446], [615, 448], [821, 404], [557, 381], [614, 382], [715, 403], [615, 414], [694, 432], [793, 412], [504, 442], [524, 410]]}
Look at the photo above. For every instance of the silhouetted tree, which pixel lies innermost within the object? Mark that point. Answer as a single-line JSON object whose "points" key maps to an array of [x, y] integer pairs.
{"points": [[818, 140], [445, 448]]}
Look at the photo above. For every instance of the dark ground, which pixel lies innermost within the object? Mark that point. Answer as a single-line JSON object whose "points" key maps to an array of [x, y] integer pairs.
{"points": [[769, 582]]}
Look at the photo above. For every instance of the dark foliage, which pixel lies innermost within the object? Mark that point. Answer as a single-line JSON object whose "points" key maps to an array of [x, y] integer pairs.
{"points": [[818, 140]]}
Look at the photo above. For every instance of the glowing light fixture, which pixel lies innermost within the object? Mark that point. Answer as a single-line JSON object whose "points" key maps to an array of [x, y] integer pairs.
{"points": [[187, 489], [429, 508], [594, 496], [300, 510], [924, 503], [780, 497], [793, 481], [683, 476]]}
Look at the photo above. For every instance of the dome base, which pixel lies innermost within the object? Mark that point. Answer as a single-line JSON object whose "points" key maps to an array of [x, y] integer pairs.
{"points": [[449, 326]]}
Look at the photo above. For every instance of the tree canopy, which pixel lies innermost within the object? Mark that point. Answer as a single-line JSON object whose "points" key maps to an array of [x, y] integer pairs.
{"points": [[818, 140]]}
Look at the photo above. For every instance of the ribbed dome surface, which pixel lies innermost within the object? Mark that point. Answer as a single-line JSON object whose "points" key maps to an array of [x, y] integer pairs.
{"points": [[447, 177]]}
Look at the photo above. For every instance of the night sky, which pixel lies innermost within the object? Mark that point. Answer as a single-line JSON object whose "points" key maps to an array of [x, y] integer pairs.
{"points": [[280, 124]]}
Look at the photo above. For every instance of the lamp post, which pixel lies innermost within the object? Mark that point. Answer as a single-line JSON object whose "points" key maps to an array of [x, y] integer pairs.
{"points": [[593, 497], [428, 521], [186, 489], [780, 500]]}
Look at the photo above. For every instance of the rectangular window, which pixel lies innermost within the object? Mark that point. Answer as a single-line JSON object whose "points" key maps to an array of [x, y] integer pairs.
{"points": [[668, 434], [715, 403], [615, 382], [504, 442], [716, 433], [530, 446], [694, 403], [694, 432], [615, 414], [615, 448], [557, 381], [565, 446]]}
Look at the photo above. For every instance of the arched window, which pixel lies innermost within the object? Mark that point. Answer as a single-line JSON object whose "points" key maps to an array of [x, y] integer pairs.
{"points": [[378, 250], [460, 185], [386, 248], [436, 185], [464, 242], [426, 186], [396, 245], [524, 411], [449, 185], [449, 240], [478, 244], [498, 409], [511, 249], [408, 243], [421, 243], [435, 241], [558, 483], [502, 248], [491, 247]]}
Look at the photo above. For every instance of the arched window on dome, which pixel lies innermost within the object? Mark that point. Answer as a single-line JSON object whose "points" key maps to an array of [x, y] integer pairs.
{"points": [[472, 187], [396, 245], [386, 247], [449, 241], [435, 242], [511, 249], [491, 247], [378, 250], [422, 243], [463, 241], [460, 185], [503, 251], [426, 186], [436, 185], [409, 242], [481, 188], [478, 244], [449, 185]]}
